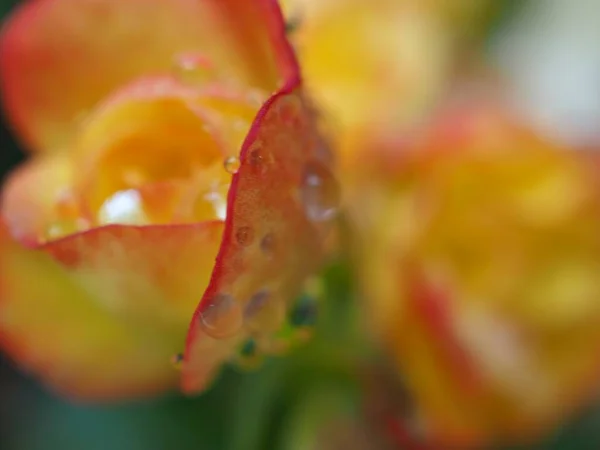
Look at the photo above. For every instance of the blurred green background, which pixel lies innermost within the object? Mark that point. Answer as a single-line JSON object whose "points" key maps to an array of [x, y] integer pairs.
{"points": [[309, 400]]}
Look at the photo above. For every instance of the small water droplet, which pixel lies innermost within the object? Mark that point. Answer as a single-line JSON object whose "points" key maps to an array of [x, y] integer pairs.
{"points": [[244, 236], [256, 303], [193, 68], [177, 361], [125, 207], [320, 192], [222, 317], [232, 164], [267, 244]]}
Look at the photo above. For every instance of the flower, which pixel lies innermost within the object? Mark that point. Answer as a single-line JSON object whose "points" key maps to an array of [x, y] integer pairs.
{"points": [[397, 64], [110, 231], [479, 259]]}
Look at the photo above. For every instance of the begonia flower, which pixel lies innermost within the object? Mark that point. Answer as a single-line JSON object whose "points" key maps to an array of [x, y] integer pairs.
{"points": [[164, 135]]}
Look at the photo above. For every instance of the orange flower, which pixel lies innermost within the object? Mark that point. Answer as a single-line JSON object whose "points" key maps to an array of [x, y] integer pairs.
{"points": [[479, 256], [110, 231]]}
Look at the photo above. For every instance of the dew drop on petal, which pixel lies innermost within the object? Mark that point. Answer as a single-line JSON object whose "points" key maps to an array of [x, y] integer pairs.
{"points": [[124, 207], [320, 192], [232, 164], [193, 68], [222, 317], [244, 236]]}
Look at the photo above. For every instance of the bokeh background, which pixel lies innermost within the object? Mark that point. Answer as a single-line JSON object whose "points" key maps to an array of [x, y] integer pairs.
{"points": [[549, 50]]}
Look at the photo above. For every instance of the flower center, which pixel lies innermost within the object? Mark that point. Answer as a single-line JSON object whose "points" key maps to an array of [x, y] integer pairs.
{"points": [[156, 157]]}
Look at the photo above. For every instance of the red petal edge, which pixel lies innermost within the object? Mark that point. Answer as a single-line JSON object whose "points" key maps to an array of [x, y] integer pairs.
{"points": [[281, 246], [264, 201]]}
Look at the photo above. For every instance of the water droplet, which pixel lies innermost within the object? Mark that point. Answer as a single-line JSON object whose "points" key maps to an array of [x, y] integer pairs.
{"points": [[177, 361], [232, 164], [123, 207], [193, 68], [222, 317], [320, 192], [267, 244], [256, 303], [244, 236]]}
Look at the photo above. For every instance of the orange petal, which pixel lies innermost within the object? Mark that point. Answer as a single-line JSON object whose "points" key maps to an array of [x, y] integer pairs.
{"points": [[280, 204], [153, 130], [31, 193], [58, 58], [98, 315]]}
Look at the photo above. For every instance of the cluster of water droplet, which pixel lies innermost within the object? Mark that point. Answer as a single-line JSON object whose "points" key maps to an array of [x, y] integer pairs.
{"points": [[264, 316]]}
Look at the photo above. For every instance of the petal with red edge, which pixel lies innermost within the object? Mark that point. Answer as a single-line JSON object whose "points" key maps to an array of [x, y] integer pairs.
{"points": [[98, 315], [270, 244], [59, 57]]}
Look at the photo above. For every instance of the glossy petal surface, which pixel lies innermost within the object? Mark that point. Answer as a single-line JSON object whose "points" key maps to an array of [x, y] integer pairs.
{"points": [[106, 309], [270, 243], [95, 46]]}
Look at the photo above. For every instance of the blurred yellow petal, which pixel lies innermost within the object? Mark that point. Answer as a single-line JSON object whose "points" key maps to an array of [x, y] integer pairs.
{"points": [[480, 261], [58, 58], [105, 310]]}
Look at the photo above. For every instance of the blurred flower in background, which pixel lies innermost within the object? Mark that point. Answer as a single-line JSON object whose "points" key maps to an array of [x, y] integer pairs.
{"points": [[461, 310], [479, 256]]}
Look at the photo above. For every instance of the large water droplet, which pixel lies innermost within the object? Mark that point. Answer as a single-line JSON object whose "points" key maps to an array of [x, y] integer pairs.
{"points": [[232, 164], [320, 192], [222, 317]]}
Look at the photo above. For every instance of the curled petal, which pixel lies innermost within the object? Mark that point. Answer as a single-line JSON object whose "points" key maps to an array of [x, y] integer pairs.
{"points": [[59, 57], [98, 315], [280, 203]]}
